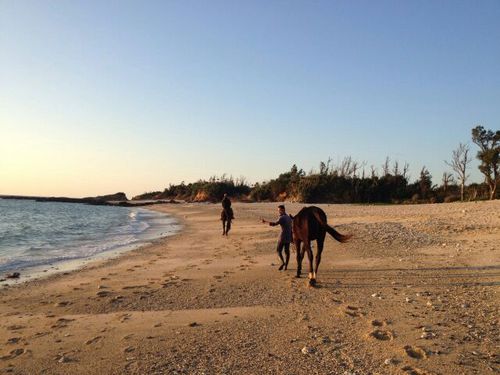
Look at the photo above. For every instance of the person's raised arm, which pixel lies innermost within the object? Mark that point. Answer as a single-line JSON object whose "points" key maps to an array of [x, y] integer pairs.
{"points": [[271, 223]]}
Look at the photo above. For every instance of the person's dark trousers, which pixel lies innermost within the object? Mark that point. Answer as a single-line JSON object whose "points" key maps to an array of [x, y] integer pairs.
{"points": [[283, 245]]}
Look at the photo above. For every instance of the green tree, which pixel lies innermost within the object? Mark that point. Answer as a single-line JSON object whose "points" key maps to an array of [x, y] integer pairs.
{"points": [[489, 156], [425, 182]]}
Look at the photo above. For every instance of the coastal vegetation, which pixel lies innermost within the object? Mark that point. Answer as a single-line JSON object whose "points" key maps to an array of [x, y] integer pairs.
{"points": [[350, 181]]}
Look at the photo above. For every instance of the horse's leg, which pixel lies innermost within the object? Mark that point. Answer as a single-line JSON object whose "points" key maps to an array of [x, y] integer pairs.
{"points": [[287, 255], [307, 245], [298, 249], [223, 227], [320, 242], [228, 226]]}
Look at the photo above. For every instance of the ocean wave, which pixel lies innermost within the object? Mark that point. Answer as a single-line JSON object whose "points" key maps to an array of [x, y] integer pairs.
{"points": [[73, 231]]}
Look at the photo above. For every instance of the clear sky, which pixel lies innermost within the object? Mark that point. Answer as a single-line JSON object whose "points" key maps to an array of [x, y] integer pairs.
{"points": [[105, 96]]}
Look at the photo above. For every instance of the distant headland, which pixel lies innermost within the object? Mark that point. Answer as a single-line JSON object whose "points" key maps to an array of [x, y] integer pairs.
{"points": [[117, 199]]}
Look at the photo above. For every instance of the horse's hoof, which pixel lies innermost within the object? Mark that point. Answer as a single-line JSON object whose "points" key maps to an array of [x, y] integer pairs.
{"points": [[281, 267], [297, 276], [312, 282]]}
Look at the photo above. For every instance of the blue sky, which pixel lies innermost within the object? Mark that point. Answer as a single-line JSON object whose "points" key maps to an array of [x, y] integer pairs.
{"points": [[105, 96]]}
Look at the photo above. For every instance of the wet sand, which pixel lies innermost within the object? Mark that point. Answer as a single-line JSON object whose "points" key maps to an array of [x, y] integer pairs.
{"points": [[416, 291]]}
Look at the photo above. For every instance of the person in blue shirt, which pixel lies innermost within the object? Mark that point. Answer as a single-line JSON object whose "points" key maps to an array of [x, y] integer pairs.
{"points": [[285, 222]]}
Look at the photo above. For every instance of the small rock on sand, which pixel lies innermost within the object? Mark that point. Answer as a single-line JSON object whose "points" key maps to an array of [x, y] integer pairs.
{"points": [[63, 359], [308, 350], [388, 361]]}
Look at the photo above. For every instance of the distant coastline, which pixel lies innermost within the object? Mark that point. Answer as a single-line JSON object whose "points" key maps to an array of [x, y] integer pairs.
{"points": [[118, 199], [69, 236]]}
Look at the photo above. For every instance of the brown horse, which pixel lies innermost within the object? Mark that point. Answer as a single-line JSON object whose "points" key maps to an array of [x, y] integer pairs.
{"points": [[226, 216], [308, 225]]}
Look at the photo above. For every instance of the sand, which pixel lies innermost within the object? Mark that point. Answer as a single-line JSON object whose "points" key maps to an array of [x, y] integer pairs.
{"points": [[416, 291]]}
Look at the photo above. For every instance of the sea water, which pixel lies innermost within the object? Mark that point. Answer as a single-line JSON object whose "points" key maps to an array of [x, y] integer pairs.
{"points": [[35, 235]]}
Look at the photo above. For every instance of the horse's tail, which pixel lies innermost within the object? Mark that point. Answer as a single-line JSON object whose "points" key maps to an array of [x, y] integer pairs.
{"points": [[322, 221]]}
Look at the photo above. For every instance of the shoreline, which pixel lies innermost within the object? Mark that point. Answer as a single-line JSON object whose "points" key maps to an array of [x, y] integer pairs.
{"points": [[155, 232], [197, 302]]}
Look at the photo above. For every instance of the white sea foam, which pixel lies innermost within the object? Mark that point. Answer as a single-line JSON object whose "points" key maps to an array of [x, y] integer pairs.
{"points": [[36, 235]]}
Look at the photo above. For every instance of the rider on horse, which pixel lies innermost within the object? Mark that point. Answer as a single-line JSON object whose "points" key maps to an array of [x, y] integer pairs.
{"points": [[226, 215]]}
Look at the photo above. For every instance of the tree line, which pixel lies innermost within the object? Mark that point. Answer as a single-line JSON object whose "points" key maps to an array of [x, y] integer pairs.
{"points": [[350, 181]]}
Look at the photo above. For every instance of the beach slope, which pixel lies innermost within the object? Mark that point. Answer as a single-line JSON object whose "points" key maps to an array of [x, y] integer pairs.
{"points": [[416, 291]]}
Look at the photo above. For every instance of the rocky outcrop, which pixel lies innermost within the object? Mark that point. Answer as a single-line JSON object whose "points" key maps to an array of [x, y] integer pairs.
{"points": [[110, 197], [201, 196], [117, 199]]}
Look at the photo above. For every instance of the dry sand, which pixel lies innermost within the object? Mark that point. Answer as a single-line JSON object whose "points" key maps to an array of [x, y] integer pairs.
{"points": [[416, 291]]}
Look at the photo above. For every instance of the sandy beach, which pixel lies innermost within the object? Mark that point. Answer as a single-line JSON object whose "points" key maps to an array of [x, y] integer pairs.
{"points": [[416, 291]]}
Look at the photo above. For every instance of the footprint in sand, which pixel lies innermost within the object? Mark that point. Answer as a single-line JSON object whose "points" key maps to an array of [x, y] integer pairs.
{"points": [[414, 371], [382, 335], [134, 287], [128, 349], [415, 352], [103, 293], [93, 340], [62, 323], [14, 340], [379, 323], [353, 311], [13, 354], [15, 327], [116, 299], [41, 334], [124, 317]]}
